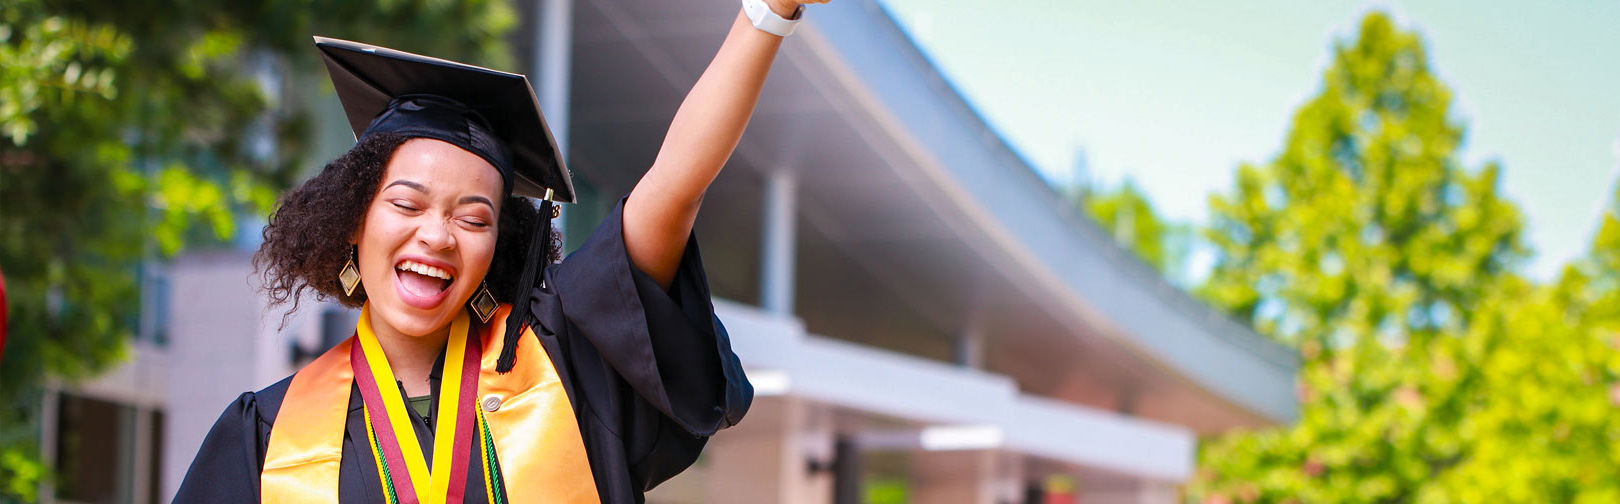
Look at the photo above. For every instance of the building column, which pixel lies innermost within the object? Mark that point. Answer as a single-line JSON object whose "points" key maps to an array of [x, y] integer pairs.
{"points": [[847, 471], [971, 340], [49, 432], [966, 477], [778, 237], [781, 454], [140, 467], [553, 59], [970, 349]]}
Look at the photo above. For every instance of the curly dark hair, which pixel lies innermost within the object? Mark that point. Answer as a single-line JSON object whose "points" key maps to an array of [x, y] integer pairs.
{"points": [[306, 242]]}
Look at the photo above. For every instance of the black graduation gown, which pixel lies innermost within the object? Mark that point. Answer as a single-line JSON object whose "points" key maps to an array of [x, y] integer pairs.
{"points": [[650, 375]]}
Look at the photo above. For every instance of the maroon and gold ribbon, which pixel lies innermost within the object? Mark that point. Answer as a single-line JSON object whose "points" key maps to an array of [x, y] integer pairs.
{"points": [[543, 461], [410, 476]]}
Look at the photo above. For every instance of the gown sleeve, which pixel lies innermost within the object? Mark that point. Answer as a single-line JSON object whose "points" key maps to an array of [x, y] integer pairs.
{"points": [[666, 346], [226, 468]]}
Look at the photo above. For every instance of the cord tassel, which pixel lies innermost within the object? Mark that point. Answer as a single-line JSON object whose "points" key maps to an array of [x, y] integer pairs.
{"points": [[525, 289]]}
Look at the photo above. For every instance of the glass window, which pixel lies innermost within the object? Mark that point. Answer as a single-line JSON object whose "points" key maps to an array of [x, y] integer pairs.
{"points": [[152, 323], [91, 443], [96, 459], [581, 218]]}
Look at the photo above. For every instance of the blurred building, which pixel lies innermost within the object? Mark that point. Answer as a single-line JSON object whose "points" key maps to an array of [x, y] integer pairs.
{"points": [[923, 318]]}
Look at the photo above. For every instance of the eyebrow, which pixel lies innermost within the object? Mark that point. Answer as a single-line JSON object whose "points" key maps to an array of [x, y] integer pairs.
{"points": [[413, 185], [476, 199], [423, 189]]}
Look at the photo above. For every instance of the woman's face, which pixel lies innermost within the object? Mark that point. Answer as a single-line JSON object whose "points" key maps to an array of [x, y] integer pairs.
{"points": [[429, 236]]}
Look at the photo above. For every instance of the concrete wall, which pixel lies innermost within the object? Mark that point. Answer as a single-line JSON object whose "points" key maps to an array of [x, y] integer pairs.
{"points": [[222, 342]]}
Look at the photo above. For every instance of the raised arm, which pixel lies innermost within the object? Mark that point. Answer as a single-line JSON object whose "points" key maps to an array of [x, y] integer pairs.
{"points": [[660, 211]]}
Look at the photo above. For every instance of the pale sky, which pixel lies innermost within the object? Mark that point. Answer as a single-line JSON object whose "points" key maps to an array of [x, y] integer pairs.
{"points": [[1176, 94]]}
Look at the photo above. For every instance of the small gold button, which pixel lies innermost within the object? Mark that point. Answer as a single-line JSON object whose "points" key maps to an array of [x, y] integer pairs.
{"points": [[492, 402]]}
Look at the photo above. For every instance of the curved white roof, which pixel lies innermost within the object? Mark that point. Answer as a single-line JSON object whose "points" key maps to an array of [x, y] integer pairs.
{"points": [[917, 223]]}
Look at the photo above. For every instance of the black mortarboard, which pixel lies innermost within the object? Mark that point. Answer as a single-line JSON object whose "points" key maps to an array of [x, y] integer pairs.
{"points": [[487, 112], [490, 113]]}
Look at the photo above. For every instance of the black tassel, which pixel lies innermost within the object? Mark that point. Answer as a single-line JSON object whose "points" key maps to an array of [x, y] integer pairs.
{"points": [[538, 244]]}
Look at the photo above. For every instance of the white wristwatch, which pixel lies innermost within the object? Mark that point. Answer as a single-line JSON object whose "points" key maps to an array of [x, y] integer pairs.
{"points": [[767, 20]]}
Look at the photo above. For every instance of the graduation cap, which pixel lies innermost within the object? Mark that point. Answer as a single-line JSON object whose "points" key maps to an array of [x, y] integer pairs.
{"points": [[490, 113]]}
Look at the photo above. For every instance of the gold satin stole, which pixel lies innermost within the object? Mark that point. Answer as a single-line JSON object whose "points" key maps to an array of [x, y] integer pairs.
{"points": [[537, 442]]}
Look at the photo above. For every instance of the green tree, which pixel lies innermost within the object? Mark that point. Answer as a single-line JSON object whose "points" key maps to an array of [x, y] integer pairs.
{"points": [[1542, 425], [1127, 215], [131, 129], [1432, 371], [1365, 224]]}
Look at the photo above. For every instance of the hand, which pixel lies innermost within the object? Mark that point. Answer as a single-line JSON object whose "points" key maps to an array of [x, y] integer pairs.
{"points": [[788, 9]]}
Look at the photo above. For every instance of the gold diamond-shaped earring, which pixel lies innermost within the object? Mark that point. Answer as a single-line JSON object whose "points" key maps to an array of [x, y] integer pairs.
{"points": [[483, 303], [350, 275]]}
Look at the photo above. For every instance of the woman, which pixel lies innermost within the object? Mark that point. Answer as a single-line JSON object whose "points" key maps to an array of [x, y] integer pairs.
{"points": [[480, 371]]}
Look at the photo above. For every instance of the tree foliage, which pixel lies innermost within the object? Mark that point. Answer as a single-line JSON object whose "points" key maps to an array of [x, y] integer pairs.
{"points": [[1127, 215], [1432, 370], [129, 130], [1365, 223]]}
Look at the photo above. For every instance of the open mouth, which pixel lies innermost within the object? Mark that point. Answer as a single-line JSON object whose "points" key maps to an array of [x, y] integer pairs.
{"points": [[422, 285]]}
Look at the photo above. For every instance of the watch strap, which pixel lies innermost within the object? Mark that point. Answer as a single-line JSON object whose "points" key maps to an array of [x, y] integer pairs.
{"points": [[768, 21]]}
